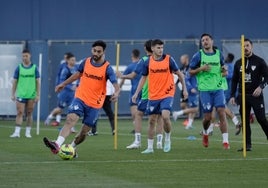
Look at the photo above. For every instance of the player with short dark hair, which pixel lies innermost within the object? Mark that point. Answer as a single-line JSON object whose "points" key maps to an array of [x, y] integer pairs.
{"points": [[256, 79], [142, 103], [66, 96], [26, 92], [208, 66], [159, 69], [135, 57], [93, 73]]}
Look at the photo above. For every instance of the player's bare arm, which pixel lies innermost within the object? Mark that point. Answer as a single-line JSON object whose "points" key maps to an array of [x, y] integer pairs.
{"points": [[181, 78], [116, 92], [37, 97], [141, 84], [205, 68], [72, 78], [13, 90]]}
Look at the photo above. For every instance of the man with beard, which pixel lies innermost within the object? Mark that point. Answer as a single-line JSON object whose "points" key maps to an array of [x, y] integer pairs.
{"points": [[256, 79], [208, 66], [93, 73]]}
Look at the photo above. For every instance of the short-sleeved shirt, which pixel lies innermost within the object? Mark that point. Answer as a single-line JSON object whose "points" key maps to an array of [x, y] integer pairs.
{"points": [[135, 81]]}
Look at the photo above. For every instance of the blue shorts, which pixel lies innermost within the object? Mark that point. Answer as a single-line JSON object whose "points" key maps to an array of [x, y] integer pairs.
{"points": [[81, 109], [65, 98], [142, 105], [23, 100], [156, 106], [193, 100], [210, 99]]}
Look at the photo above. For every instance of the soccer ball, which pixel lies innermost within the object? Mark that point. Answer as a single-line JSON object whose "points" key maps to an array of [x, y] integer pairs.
{"points": [[66, 152]]}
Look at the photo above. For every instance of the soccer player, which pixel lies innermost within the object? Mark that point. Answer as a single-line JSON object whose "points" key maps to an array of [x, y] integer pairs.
{"points": [[142, 103], [227, 81], [89, 95], [63, 64], [192, 102], [26, 92], [161, 89], [135, 57], [208, 66], [66, 96], [256, 79], [184, 59]]}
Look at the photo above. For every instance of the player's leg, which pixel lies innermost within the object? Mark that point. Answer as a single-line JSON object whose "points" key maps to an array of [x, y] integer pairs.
{"points": [[212, 122], [81, 136], [70, 122], [20, 106], [165, 109], [191, 115], [184, 106], [29, 117], [109, 112], [138, 126], [153, 111], [151, 131], [89, 121], [247, 124], [234, 119], [259, 111], [193, 102], [141, 109], [75, 111], [159, 132], [207, 107], [206, 104], [56, 111], [167, 128], [133, 110], [220, 103]]}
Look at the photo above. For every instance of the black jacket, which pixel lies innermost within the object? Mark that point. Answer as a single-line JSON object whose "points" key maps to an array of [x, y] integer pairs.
{"points": [[256, 74]]}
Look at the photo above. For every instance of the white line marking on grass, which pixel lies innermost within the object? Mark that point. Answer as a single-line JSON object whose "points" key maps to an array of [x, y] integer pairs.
{"points": [[129, 161]]}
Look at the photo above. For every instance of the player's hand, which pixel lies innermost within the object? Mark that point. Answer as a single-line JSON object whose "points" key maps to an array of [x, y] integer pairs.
{"points": [[206, 68], [185, 94], [13, 98], [118, 74], [232, 101], [114, 97], [257, 92], [37, 97], [134, 98], [224, 70], [193, 90], [59, 87]]}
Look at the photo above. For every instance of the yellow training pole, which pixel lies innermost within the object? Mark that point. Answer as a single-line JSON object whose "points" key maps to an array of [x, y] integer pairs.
{"points": [[116, 103], [243, 95]]}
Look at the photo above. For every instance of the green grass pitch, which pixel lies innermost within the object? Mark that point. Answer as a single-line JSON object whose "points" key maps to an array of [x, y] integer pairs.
{"points": [[28, 163]]}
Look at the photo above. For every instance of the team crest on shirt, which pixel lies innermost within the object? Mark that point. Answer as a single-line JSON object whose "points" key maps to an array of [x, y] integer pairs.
{"points": [[253, 67]]}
